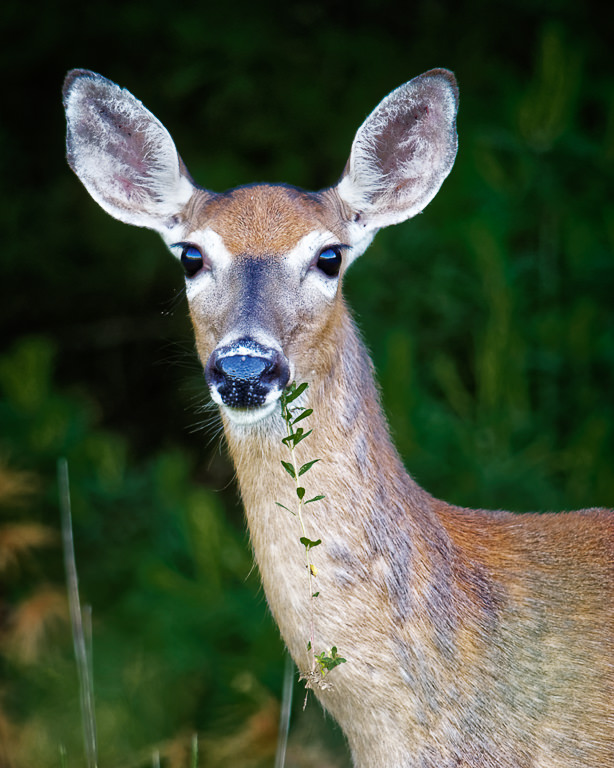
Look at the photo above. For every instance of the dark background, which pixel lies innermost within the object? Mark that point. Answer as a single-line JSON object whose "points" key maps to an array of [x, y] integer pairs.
{"points": [[490, 320]]}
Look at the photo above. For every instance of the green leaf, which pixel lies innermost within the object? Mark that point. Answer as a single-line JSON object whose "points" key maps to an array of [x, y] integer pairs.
{"points": [[286, 508], [315, 594], [301, 436], [300, 492], [306, 467], [292, 394], [295, 438], [327, 662], [315, 498], [289, 469], [308, 543], [307, 412]]}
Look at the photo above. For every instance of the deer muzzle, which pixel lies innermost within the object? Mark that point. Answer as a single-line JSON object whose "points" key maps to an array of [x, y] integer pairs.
{"points": [[246, 376]]}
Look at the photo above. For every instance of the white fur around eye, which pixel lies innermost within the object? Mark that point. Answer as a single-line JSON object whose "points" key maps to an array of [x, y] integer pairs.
{"points": [[207, 240], [301, 259], [211, 245], [307, 248]]}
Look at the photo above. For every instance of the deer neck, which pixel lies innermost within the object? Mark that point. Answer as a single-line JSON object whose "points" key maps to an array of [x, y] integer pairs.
{"points": [[370, 502], [350, 438]]}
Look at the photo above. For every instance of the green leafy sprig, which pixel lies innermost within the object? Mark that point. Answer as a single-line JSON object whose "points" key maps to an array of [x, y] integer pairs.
{"points": [[328, 661], [292, 415]]}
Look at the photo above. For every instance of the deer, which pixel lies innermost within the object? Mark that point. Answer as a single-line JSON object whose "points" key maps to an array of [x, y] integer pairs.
{"points": [[473, 638]]}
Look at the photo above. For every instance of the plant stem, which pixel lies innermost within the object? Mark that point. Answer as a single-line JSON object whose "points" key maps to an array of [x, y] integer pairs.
{"points": [[299, 510]]}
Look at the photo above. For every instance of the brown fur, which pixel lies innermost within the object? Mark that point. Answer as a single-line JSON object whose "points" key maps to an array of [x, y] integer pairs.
{"points": [[266, 219]]}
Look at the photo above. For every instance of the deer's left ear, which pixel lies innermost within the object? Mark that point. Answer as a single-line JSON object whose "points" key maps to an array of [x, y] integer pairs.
{"points": [[403, 151], [124, 156]]}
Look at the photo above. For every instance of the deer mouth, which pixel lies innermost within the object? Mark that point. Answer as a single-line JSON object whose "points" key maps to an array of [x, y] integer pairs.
{"points": [[245, 417]]}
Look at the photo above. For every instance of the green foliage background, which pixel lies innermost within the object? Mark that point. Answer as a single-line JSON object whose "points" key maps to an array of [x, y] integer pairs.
{"points": [[490, 319]]}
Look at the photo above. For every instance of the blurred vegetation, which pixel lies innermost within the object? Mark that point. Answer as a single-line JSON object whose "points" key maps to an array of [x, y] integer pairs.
{"points": [[490, 318]]}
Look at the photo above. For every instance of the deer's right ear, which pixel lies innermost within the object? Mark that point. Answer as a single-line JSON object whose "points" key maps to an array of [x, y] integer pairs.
{"points": [[123, 155], [402, 152]]}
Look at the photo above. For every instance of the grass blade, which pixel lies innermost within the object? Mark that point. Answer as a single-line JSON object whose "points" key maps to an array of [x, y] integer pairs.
{"points": [[284, 714], [194, 760], [86, 685]]}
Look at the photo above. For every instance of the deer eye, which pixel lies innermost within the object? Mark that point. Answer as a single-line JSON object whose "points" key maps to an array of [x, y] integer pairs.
{"points": [[329, 261], [192, 260]]}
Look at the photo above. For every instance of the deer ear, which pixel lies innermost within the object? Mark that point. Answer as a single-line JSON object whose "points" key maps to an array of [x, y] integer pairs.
{"points": [[123, 155], [403, 151]]}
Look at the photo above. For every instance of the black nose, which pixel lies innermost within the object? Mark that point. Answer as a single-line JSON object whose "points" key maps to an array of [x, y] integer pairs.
{"points": [[245, 373]]}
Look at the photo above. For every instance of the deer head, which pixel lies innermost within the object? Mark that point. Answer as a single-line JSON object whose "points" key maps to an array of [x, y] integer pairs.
{"points": [[263, 263]]}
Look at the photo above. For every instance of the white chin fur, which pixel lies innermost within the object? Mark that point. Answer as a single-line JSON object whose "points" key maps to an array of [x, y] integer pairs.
{"points": [[247, 416]]}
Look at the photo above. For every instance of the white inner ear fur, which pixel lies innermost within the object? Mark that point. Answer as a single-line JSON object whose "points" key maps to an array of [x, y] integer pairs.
{"points": [[134, 175], [396, 167]]}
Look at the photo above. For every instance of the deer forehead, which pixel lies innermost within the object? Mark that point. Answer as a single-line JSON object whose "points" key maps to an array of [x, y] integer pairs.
{"points": [[262, 220]]}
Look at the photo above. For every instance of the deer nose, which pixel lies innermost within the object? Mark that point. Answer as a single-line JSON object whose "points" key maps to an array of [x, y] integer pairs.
{"points": [[246, 374]]}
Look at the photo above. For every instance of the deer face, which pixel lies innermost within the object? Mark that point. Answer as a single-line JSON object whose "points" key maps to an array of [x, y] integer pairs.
{"points": [[263, 263], [263, 268]]}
